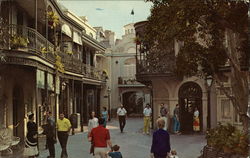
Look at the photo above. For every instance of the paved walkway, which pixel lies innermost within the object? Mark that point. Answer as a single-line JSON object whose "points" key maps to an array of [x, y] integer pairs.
{"points": [[133, 143]]}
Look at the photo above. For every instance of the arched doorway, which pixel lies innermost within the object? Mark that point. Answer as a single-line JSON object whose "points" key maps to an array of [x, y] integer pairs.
{"points": [[18, 112], [190, 96], [133, 102]]}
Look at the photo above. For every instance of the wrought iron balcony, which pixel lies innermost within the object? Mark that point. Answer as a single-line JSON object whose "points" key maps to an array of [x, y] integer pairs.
{"points": [[151, 62], [28, 40], [22, 38], [128, 81]]}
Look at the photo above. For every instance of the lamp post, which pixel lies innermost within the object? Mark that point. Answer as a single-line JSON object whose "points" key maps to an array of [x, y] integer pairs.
{"points": [[209, 81], [109, 108]]}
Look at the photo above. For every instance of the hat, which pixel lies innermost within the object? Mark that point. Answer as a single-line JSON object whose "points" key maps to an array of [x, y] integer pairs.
{"points": [[30, 115]]}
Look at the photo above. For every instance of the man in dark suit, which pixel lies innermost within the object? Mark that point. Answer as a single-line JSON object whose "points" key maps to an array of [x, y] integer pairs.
{"points": [[161, 142], [50, 134]]}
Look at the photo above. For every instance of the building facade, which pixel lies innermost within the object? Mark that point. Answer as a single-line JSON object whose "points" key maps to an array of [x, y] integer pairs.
{"points": [[48, 63], [121, 64], [188, 92]]}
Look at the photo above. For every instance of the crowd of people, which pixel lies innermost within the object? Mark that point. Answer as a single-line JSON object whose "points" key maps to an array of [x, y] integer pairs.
{"points": [[99, 135]]}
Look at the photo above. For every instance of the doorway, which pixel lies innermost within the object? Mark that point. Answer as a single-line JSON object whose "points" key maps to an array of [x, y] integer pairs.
{"points": [[18, 112], [133, 102], [190, 97]]}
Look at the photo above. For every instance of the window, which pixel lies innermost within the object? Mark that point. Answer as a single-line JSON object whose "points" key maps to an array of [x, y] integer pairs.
{"points": [[225, 108]]}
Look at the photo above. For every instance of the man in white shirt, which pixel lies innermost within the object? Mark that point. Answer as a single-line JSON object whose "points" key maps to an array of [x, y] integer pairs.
{"points": [[121, 113], [147, 116]]}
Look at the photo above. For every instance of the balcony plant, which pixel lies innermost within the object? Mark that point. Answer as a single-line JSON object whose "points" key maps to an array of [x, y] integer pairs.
{"points": [[18, 41], [59, 65], [53, 19], [137, 40], [229, 139]]}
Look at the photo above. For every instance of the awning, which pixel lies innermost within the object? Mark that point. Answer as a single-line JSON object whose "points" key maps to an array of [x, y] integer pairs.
{"points": [[77, 38], [66, 30]]}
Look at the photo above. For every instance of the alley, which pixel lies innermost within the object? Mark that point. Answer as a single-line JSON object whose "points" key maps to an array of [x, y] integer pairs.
{"points": [[133, 143]]}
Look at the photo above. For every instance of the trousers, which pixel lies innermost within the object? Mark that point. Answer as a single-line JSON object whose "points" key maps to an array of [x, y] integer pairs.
{"points": [[100, 152], [63, 139], [122, 122], [51, 146], [146, 124], [176, 125]]}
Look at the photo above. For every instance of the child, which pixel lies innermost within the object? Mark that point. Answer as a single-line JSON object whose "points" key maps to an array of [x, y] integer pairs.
{"points": [[173, 154], [115, 153]]}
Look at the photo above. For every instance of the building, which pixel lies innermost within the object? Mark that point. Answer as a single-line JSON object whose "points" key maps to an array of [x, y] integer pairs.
{"points": [[48, 63], [188, 92], [121, 64]]}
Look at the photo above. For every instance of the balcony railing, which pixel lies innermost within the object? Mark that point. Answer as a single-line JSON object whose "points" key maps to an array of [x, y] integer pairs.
{"points": [[128, 81], [22, 38], [26, 39]]}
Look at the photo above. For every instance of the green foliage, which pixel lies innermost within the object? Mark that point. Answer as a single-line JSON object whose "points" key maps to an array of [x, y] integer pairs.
{"points": [[229, 139], [53, 19], [18, 41], [59, 65], [200, 25]]}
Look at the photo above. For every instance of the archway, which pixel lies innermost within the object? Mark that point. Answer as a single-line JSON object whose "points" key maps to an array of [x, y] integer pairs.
{"points": [[190, 96], [133, 102]]}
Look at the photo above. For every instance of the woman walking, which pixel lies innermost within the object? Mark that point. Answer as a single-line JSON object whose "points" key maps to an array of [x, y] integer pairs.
{"points": [[31, 139], [93, 122], [105, 116], [161, 142]]}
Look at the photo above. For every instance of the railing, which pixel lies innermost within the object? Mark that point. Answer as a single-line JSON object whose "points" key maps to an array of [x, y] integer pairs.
{"points": [[128, 80], [33, 42]]}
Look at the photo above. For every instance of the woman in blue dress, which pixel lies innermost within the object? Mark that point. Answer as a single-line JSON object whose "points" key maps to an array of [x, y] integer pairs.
{"points": [[105, 116]]}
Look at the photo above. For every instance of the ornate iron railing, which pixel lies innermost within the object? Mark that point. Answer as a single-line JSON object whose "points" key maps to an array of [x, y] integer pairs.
{"points": [[30, 41], [128, 80]]}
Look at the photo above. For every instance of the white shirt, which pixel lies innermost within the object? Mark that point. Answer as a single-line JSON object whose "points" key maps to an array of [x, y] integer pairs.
{"points": [[121, 111], [147, 112], [92, 123]]}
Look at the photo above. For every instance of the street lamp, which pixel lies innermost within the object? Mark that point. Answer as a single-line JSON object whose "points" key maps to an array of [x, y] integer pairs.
{"points": [[109, 108], [209, 81]]}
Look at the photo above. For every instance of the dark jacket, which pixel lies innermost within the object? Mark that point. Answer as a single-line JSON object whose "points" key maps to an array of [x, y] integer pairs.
{"points": [[161, 143], [50, 128]]}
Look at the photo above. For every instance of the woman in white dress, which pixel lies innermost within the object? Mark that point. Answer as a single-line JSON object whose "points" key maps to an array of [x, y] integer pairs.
{"points": [[93, 122]]}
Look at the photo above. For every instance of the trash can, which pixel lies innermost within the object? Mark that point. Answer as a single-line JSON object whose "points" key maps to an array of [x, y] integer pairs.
{"points": [[74, 120]]}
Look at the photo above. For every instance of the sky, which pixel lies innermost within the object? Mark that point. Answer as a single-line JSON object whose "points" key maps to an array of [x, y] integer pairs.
{"points": [[111, 15]]}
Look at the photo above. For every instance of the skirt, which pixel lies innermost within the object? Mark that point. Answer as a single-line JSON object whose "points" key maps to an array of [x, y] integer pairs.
{"points": [[196, 124], [30, 148]]}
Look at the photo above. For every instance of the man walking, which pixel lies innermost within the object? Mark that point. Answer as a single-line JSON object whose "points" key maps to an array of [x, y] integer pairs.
{"points": [[63, 129], [147, 116], [177, 119], [101, 139], [121, 112], [50, 134], [164, 114]]}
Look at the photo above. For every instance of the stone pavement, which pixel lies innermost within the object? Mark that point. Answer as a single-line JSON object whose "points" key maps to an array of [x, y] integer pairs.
{"points": [[132, 142]]}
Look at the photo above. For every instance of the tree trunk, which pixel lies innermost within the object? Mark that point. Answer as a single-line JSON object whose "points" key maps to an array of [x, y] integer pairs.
{"points": [[239, 78]]}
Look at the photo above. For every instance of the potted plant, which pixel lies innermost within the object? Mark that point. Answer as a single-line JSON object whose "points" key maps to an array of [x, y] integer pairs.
{"points": [[53, 19], [18, 41]]}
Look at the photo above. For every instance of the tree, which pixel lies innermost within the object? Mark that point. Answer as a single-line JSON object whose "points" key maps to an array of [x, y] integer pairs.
{"points": [[213, 37]]}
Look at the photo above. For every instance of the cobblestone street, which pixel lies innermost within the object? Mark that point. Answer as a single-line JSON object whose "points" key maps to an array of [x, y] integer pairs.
{"points": [[133, 143]]}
